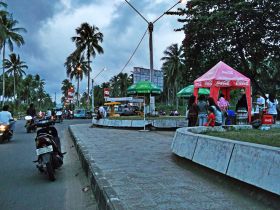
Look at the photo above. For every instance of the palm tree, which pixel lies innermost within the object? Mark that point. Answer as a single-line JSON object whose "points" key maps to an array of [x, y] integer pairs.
{"points": [[2, 13], [76, 67], [173, 66], [66, 85], [124, 81], [10, 35], [25, 89], [15, 68], [114, 86], [87, 40]]}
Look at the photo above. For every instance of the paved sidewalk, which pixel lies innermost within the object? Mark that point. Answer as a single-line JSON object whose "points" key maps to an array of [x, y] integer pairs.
{"points": [[140, 172]]}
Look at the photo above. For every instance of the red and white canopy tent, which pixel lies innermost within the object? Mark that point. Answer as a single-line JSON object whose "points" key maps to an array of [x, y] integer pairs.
{"points": [[223, 77]]}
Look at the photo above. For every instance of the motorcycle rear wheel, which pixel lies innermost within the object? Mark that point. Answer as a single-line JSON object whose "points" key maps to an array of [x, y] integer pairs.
{"points": [[50, 171]]}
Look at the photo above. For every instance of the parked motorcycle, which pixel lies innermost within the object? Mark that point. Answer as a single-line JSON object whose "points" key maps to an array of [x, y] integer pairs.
{"points": [[5, 133], [30, 124], [48, 149]]}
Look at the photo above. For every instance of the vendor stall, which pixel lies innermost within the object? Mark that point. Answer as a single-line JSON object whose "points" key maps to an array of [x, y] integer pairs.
{"points": [[223, 77], [112, 109]]}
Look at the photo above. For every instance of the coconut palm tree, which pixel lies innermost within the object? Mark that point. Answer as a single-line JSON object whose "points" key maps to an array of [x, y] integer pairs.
{"points": [[173, 66], [25, 89], [2, 13], [114, 86], [15, 68], [124, 81], [66, 85], [10, 37], [76, 67], [88, 40]]}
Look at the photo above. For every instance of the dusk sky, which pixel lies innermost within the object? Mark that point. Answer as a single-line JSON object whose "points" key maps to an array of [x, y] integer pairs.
{"points": [[52, 23]]}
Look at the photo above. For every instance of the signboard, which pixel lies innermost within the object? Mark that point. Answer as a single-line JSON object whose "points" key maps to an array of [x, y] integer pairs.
{"points": [[130, 99], [70, 93], [142, 74], [106, 92]]}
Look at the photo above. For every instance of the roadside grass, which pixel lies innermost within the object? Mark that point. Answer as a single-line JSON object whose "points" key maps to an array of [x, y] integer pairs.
{"points": [[270, 137]]}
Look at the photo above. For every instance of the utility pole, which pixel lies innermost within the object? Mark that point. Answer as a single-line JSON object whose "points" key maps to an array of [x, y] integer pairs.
{"points": [[92, 97], [54, 98], [151, 28]]}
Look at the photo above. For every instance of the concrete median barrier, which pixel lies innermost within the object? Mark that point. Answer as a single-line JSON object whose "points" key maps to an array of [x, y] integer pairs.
{"points": [[255, 164]]}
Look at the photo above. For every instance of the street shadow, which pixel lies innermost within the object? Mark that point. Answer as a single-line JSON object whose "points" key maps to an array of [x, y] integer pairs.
{"points": [[226, 182]]}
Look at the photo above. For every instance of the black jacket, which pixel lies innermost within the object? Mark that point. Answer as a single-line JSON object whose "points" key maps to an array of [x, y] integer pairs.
{"points": [[242, 103]]}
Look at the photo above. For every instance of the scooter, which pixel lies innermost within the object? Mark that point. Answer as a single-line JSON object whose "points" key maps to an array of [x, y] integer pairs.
{"points": [[30, 124], [48, 149], [59, 117], [5, 133]]}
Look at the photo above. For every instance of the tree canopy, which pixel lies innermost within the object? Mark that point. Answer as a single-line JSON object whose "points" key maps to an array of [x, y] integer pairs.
{"points": [[242, 33]]}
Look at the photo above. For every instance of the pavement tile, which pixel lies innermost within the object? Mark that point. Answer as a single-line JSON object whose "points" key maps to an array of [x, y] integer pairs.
{"points": [[141, 169]]}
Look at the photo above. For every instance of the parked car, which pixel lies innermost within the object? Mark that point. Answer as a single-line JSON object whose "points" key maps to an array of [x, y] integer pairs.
{"points": [[80, 113], [125, 110]]}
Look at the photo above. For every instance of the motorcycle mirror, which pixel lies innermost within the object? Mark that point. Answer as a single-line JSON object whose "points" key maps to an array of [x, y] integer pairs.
{"points": [[28, 118]]}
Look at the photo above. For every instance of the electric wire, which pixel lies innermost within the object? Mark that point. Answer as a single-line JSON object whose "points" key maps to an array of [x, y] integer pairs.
{"points": [[166, 12], [134, 51], [136, 11]]}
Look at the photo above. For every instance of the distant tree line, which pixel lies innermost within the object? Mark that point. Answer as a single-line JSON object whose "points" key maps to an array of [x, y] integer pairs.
{"points": [[243, 34], [17, 88]]}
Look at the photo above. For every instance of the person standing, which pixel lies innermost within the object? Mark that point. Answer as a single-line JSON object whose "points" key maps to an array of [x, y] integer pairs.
{"points": [[211, 117], [193, 112], [102, 112], [202, 110], [272, 103], [241, 109], [223, 105], [217, 111], [242, 102], [260, 104]]}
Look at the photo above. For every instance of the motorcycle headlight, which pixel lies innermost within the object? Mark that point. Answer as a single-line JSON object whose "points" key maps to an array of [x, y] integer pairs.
{"points": [[2, 127]]}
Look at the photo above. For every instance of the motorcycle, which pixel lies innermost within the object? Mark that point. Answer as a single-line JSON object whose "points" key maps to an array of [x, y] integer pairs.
{"points": [[5, 133], [30, 124], [48, 149], [59, 117]]}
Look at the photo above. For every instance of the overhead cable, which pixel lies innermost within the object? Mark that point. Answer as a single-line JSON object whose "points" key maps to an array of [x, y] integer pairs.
{"points": [[134, 51]]}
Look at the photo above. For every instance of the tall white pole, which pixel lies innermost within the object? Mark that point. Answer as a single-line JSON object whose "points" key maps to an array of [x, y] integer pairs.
{"points": [[92, 97], [144, 114]]}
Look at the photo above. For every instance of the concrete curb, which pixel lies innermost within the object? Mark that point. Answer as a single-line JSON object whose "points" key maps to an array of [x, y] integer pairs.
{"points": [[160, 123], [255, 164], [104, 194]]}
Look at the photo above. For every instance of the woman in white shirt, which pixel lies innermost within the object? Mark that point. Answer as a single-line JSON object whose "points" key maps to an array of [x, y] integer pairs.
{"points": [[272, 106]]}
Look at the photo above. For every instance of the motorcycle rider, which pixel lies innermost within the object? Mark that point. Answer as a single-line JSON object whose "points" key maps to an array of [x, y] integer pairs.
{"points": [[31, 111], [6, 118]]}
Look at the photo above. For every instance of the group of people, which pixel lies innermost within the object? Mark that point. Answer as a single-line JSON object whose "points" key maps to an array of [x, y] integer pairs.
{"points": [[206, 112], [100, 112], [267, 105]]}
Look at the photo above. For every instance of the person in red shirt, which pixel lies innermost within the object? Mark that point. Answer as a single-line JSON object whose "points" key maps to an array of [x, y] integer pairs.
{"points": [[211, 117]]}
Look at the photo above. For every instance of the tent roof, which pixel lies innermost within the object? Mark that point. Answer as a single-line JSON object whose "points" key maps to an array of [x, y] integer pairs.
{"points": [[222, 73]]}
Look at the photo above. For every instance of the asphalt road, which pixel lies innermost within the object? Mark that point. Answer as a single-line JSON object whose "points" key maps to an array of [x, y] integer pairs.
{"points": [[22, 186]]}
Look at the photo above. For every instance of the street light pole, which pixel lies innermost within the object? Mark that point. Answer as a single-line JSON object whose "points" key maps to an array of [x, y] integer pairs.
{"points": [[92, 96], [151, 28]]}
